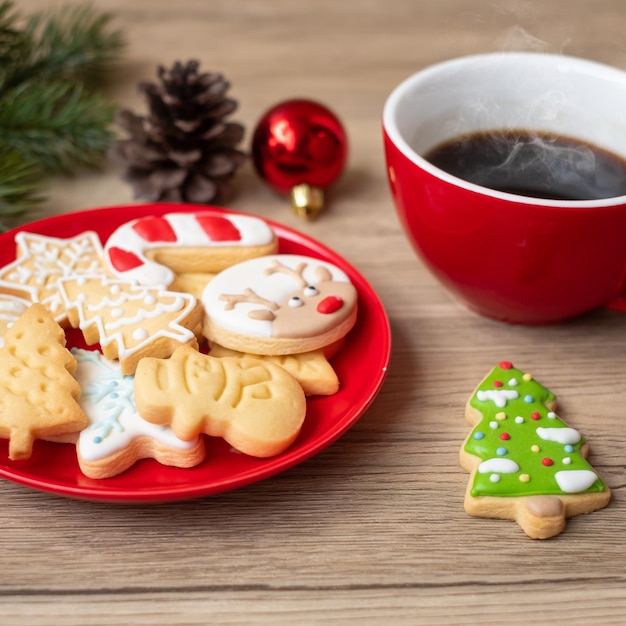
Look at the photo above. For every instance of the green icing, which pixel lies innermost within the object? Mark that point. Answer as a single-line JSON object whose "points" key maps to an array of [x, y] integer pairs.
{"points": [[532, 398]]}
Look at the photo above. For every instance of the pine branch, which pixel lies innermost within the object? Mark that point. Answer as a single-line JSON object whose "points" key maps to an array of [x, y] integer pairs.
{"points": [[19, 181], [74, 44], [57, 124], [13, 42], [50, 118]]}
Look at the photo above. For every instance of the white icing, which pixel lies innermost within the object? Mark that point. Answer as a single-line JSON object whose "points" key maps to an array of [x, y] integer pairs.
{"points": [[108, 401], [11, 308], [519, 419], [253, 231], [41, 261], [498, 396], [559, 435], [92, 306], [499, 466], [275, 287], [575, 481]]}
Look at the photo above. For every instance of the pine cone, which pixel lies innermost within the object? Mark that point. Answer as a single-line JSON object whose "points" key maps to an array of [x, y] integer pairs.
{"points": [[183, 151]]}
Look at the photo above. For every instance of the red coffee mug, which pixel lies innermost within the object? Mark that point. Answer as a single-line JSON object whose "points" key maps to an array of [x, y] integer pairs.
{"points": [[510, 257]]}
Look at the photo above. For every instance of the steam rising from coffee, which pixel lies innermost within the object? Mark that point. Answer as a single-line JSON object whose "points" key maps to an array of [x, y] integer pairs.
{"points": [[533, 164], [517, 158]]}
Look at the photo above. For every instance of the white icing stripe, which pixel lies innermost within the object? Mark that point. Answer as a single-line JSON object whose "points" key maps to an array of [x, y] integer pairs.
{"points": [[252, 231], [500, 466], [559, 435], [575, 481], [149, 272]]}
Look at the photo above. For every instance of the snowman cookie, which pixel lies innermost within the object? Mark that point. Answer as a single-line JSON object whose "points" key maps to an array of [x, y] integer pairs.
{"points": [[279, 304]]}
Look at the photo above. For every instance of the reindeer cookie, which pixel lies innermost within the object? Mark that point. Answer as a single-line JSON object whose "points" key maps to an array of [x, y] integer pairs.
{"points": [[279, 304]]}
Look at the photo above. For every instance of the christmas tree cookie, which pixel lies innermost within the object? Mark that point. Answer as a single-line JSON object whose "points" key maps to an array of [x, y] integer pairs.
{"points": [[526, 464], [128, 320], [38, 393]]}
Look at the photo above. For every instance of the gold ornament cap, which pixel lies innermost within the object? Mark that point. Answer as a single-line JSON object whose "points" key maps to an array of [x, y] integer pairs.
{"points": [[307, 201]]}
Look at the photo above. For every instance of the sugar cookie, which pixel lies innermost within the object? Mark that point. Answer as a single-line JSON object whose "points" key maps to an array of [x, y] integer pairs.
{"points": [[130, 321], [311, 369], [38, 394], [279, 304], [526, 464], [152, 250], [255, 405], [41, 261], [117, 437]]}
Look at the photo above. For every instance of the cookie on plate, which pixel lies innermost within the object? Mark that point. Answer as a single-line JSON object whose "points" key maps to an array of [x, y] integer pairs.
{"points": [[152, 250], [255, 405], [117, 437], [38, 393], [41, 261], [311, 369], [279, 304], [128, 320], [526, 464]]}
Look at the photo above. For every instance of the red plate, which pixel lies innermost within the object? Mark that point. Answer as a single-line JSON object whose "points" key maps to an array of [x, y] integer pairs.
{"points": [[361, 366]]}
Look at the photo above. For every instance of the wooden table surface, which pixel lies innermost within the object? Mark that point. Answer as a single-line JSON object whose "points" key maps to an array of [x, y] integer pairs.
{"points": [[372, 529]]}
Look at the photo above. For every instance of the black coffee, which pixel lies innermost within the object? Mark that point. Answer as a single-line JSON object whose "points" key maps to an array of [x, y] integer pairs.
{"points": [[540, 165]]}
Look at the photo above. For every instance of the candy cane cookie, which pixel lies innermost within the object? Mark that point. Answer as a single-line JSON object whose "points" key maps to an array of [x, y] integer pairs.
{"points": [[152, 250]]}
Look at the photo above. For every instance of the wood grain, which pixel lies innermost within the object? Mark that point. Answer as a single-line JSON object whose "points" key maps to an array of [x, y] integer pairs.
{"points": [[372, 530]]}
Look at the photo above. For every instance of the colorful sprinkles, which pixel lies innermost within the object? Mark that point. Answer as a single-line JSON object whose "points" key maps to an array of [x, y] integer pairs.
{"points": [[536, 460]]}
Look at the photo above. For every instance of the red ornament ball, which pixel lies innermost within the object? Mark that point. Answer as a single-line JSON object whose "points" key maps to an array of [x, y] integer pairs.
{"points": [[299, 142]]}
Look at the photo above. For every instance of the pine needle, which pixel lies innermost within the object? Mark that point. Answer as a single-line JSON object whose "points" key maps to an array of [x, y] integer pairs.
{"points": [[19, 181], [57, 124], [74, 43], [51, 118]]}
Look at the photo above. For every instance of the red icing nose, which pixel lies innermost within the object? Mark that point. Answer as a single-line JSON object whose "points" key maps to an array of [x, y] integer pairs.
{"points": [[329, 304]]}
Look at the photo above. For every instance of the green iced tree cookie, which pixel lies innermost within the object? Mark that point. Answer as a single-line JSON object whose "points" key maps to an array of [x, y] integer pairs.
{"points": [[526, 463]]}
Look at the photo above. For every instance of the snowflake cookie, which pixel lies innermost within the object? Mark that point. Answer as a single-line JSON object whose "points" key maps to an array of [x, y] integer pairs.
{"points": [[116, 436]]}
